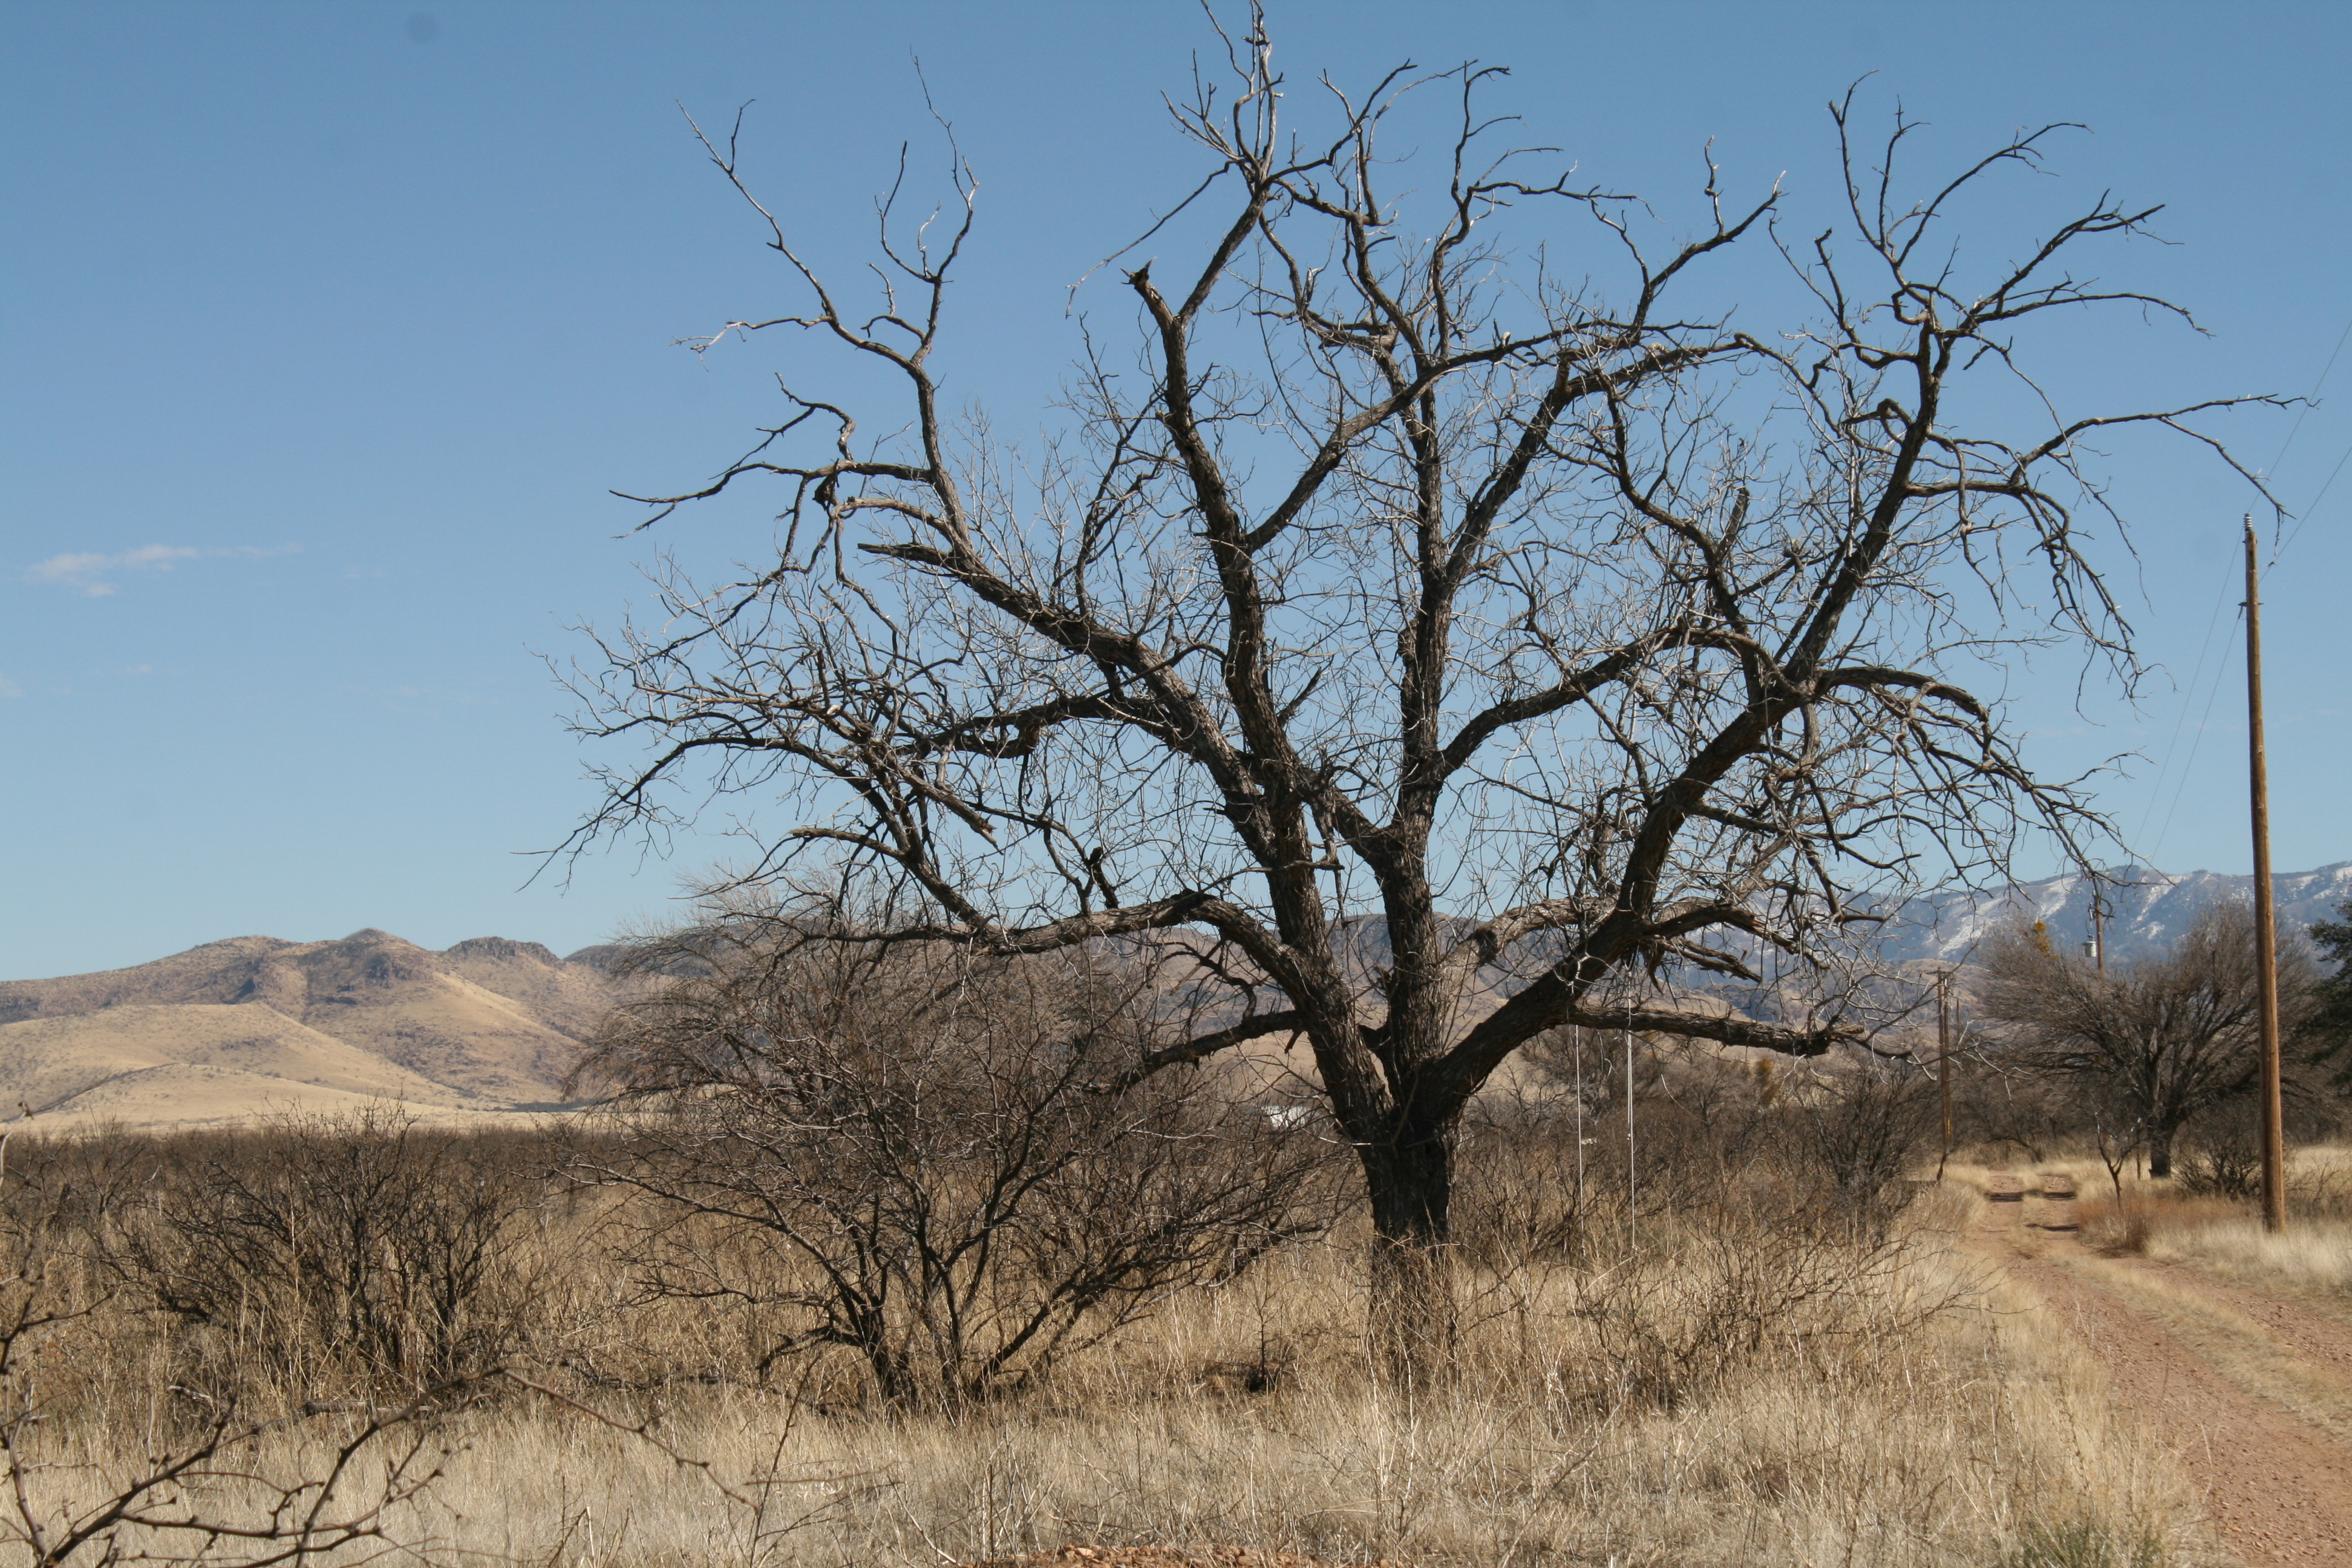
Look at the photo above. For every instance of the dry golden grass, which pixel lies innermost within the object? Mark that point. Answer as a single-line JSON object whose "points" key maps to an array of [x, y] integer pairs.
{"points": [[2219, 1235], [1732, 1385], [1911, 1414], [2312, 1255]]}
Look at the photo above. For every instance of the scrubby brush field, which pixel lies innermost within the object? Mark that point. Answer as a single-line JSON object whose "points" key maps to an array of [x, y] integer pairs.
{"points": [[1743, 1372]]}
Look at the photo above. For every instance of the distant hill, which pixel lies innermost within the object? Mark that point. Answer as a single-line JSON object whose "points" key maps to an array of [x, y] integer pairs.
{"points": [[2146, 910], [48, 1065], [492, 1026], [490, 1023]]}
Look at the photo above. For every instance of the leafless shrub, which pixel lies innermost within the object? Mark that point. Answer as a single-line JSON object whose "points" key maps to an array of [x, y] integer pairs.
{"points": [[1528, 1190], [2002, 1112], [2222, 1157], [1671, 1320], [936, 1163], [196, 1489], [1758, 1223], [1860, 1131], [1544, 1166], [1541, 1172], [349, 1253]]}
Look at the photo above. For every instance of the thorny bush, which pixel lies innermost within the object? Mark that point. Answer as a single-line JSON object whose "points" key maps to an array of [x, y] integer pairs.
{"points": [[210, 1481], [937, 1164], [359, 1252]]}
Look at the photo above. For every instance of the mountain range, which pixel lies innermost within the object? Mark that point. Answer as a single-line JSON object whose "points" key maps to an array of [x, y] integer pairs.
{"points": [[491, 1026], [2145, 909], [220, 1031]]}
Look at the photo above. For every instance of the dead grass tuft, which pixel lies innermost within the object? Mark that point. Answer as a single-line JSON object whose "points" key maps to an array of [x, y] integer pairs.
{"points": [[1754, 1377]]}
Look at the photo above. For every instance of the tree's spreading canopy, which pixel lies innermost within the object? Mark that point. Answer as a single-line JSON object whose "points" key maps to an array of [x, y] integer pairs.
{"points": [[1424, 623]]}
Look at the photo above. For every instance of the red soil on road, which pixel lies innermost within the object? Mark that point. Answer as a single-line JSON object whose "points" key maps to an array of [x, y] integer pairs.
{"points": [[2279, 1489]]}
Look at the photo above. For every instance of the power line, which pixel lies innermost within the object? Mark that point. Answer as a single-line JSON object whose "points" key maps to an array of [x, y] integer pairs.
{"points": [[2186, 698], [2308, 398], [2322, 496], [2310, 401], [2195, 740]]}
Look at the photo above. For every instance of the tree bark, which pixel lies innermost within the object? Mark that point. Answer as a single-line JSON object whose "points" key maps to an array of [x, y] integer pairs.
{"points": [[1413, 1323], [2159, 1150]]}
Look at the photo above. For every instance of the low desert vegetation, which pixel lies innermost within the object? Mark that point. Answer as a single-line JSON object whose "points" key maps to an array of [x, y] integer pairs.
{"points": [[897, 1253], [2185, 1221], [900, 1253], [320, 1336]]}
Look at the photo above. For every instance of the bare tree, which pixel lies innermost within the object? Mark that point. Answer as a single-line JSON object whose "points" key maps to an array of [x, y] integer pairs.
{"points": [[2158, 1040], [1421, 640], [903, 1153]]}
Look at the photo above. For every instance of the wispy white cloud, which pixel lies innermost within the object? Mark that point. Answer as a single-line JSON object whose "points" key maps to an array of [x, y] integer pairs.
{"points": [[93, 571], [86, 572]]}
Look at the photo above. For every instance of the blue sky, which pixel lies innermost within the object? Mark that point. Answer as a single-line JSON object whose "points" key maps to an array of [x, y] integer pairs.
{"points": [[328, 327]]}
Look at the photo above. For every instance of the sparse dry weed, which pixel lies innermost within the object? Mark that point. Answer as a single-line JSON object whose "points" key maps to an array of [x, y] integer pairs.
{"points": [[2220, 1235], [1752, 1382]]}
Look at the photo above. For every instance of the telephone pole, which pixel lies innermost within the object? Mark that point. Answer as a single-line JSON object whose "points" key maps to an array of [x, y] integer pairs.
{"points": [[2266, 934]]}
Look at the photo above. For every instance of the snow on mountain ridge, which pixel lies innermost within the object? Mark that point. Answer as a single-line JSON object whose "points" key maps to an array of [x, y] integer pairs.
{"points": [[2146, 910]]}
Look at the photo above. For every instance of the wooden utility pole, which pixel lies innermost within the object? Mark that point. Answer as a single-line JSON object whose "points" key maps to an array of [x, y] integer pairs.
{"points": [[2266, 934], [1944, 1064]]}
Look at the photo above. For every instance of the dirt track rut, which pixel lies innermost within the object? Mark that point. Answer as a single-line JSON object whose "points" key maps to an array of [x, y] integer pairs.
{"points": [[2254, 1394]]}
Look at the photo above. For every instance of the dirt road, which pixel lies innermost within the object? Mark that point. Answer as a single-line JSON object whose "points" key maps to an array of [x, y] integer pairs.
{"points": [[2253, 1391]]}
